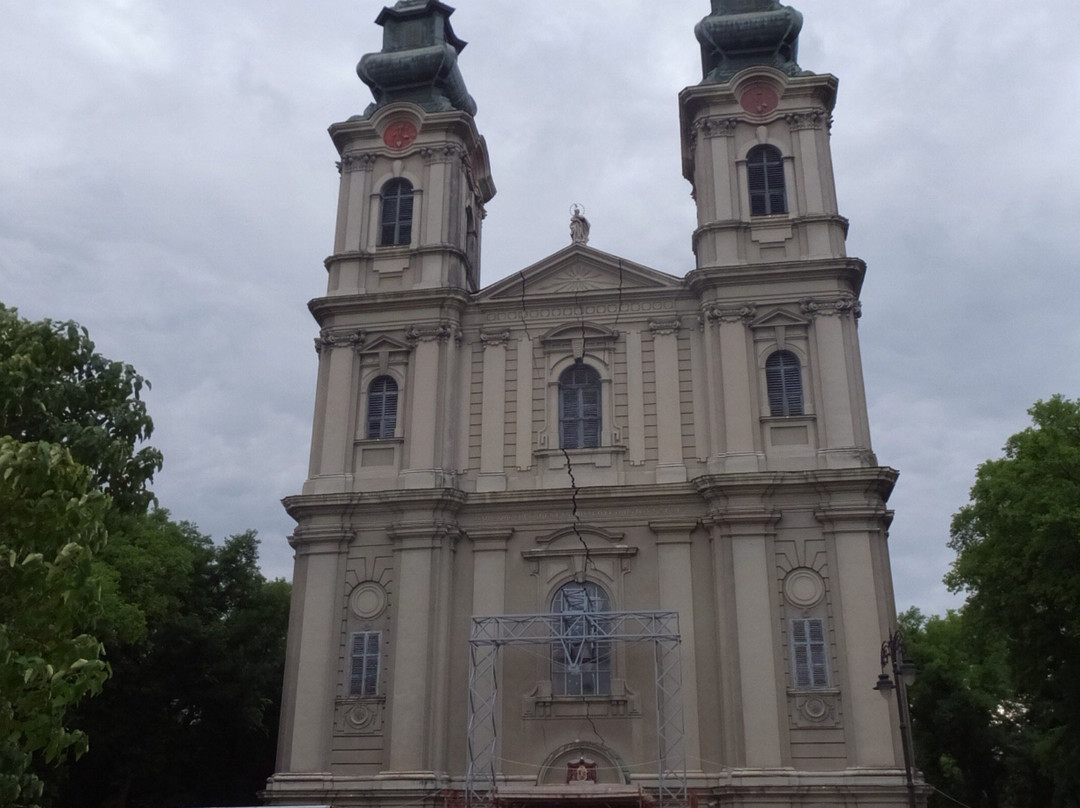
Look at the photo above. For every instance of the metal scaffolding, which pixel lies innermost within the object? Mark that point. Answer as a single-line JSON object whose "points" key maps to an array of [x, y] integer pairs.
{"points": [[571, 631]]}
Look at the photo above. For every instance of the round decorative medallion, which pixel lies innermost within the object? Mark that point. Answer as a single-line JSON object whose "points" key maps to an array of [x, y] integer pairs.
{"points": [[759, 99], [368, 600], [815, 709], [804, 588], [362, 716], [400, 134]]}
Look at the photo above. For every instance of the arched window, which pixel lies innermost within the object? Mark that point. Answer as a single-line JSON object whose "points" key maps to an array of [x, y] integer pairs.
{"points": [[765, 170], [382, 408], [783, 380], [579, 408], [397, 213], [580, 662]]}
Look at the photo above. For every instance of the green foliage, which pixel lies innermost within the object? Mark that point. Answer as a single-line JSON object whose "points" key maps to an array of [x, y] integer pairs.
{"points": [[972, 739], [190, 715], [51, 524], [1018, 558], [55, 387]]}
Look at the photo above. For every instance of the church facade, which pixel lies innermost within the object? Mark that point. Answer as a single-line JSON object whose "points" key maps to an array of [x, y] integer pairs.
{"points": [[592, 532]]}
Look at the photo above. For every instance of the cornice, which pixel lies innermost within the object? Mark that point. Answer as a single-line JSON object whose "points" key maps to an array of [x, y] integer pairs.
{"points": [[435, 500], [368, 255], [849, 271], [447, 302]]}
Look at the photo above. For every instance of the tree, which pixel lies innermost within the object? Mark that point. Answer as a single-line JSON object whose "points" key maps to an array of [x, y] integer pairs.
{"points": [[972, 740], [51, 524], [190, 715], [55, 387], [1018, 558]]}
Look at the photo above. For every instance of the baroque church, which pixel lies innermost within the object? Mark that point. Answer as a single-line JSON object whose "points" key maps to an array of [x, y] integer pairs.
{"points": [[593, 533]]}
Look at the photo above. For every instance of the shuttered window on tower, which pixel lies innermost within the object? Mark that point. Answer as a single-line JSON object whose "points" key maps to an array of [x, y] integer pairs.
{"points": [[382, 409], [765, 176], [397, 213], [364, 660], [783, 382], [809, 653], [579, 408]]}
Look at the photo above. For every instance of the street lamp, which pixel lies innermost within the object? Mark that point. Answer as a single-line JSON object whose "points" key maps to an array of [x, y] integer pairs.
{"points": [[903, 676]]}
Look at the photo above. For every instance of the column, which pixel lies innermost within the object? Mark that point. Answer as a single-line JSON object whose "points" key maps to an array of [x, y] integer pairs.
{"points": [[417, 550], [335, 437], [675, 570], [493, 415], [425, 397], [311, 661], [863, 614], [752, 563], [635, 399], [524, 395], [740, 421], [671, 468], [834, 381]]}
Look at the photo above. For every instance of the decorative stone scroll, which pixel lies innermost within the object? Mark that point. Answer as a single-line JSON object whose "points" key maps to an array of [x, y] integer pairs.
{"points": [[831, 307], [436, 332], [444, 153], [716, 127], [807, 120], [356, 162], [494, 339], [334, 339], [665, 328], [717, 313]]}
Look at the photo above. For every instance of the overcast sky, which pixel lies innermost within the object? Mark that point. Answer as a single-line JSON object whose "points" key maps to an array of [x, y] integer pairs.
{"points": [[166, 180]]}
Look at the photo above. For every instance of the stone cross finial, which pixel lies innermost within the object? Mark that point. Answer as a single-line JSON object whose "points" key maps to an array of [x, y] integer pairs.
{"points": [[579, 226]]}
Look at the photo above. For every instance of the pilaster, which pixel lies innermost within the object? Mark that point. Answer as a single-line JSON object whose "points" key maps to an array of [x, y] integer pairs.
{"points": [[313, 650], [737, 383], [493, 397], [675, 574]]}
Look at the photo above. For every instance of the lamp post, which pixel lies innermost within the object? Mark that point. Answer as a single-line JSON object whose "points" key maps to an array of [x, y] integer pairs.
{"points": [[903, 675]]}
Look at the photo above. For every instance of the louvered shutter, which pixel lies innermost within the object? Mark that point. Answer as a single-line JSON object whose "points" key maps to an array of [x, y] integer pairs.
{"points": [[809, 653], [590, 416], [364, 658], [580, 410], [783, 384], [397, 213], [382, 409], [765, 179]]}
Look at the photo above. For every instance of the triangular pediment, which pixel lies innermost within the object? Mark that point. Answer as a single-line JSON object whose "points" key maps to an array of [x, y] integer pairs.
{"points": [[382, 342], [576, 270], [779, 317]]}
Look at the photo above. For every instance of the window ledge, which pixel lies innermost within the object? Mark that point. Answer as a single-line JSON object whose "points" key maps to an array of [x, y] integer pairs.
{"points": [[378, 441], [620, 703]]}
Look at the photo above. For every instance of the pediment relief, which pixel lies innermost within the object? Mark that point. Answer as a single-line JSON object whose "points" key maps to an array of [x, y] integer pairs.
{"points": [[580, 330], [383, 343], [779, 317], [577, 533], [576, 270]]}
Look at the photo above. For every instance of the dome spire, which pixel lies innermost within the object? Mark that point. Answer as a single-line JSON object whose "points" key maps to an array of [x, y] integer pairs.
{"points": [[418, 60], [743, 33]]}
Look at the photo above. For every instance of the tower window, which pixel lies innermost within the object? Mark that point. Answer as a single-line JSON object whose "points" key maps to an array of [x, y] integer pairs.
{"points": [[580, 661], [783, 381], [382, 408], [765, 169], [397, 213], [809, 653], [364, 658], [579, 408]]}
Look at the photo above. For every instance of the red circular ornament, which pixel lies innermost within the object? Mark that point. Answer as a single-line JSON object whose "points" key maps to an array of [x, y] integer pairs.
{"points": [[400, 134], [759, 99]]}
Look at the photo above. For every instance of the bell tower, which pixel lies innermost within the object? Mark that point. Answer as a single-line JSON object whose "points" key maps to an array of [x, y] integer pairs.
{"points": [[770, 236], [415, 173]]}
